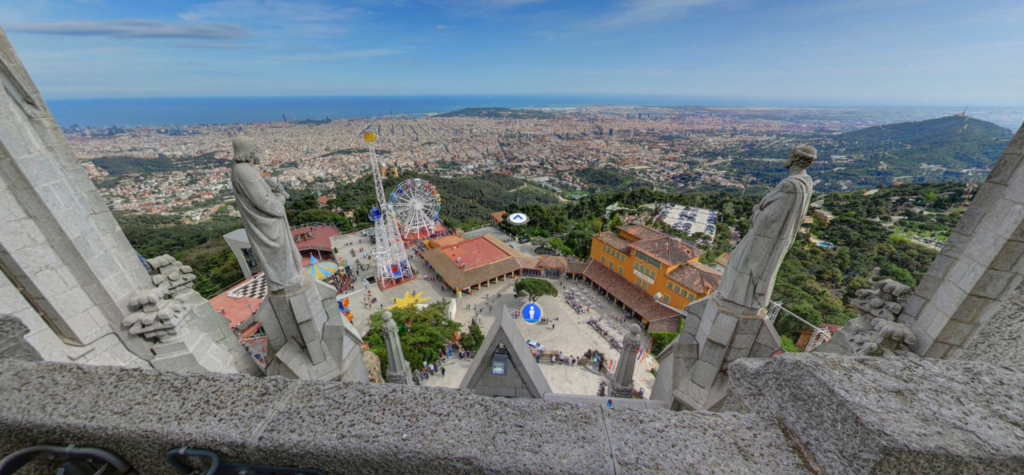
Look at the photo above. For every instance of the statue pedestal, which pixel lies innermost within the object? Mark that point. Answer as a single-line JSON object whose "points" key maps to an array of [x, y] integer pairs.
{"points": [[307, 337], [401, 377], [713, 336]]}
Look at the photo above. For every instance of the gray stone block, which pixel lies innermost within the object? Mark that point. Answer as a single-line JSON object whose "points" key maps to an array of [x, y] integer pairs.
{"points": [[690, 324], [704, 373], [512, 380], [713, 353], [768, 337], [1004, 169], [722, 328], [891, 415], [743, 341], [734, 354], [992, 284], [955, 333], [748, 326]]}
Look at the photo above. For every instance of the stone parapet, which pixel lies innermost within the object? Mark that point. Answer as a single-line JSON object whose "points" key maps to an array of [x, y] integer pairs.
{"points": [[342, 427], [853, 415]]}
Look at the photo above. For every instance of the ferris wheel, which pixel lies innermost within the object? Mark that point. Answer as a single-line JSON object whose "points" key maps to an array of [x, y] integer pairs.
{"points": [[417, 205]]}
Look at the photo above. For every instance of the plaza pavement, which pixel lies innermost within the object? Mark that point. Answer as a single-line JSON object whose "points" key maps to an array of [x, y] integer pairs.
{"points": [[571, 335]]}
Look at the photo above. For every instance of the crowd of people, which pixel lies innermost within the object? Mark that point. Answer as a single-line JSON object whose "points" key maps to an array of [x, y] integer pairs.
{"points": [[613, 339], [436, 367]]}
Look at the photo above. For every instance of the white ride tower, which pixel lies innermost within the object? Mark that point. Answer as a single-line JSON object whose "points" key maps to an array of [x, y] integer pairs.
{"points": [[389, 254]]}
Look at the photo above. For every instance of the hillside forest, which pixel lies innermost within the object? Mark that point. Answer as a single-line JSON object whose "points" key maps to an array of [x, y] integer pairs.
{"points": [[872, 234]]}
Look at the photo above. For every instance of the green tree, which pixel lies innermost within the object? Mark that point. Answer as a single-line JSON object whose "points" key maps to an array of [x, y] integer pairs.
{"points": [[534, 289], [472, 340], [422, 333]]}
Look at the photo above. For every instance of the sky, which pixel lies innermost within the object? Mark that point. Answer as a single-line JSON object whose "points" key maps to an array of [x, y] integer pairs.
{"points": [[833, 52]]}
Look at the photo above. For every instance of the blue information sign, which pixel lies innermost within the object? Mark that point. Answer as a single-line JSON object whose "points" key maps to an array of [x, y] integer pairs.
{"points": [[531, 313]]}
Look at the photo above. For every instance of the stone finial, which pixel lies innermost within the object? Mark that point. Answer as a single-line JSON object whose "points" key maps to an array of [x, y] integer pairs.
{"points": [[622, 380], [386, 316]]}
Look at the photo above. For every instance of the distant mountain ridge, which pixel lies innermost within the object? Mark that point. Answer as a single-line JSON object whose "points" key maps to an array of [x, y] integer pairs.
{"points": [[955, 142]]}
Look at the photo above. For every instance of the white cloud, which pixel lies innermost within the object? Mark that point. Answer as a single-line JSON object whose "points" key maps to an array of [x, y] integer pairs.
{"points": [[137, 29]]}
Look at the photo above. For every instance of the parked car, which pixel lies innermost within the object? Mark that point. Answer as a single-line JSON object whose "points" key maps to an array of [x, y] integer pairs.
{"points": [[524, 240], [535, 345]]}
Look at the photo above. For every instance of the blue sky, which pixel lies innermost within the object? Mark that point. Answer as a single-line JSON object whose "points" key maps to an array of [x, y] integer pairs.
{"points": [[855, 52]]}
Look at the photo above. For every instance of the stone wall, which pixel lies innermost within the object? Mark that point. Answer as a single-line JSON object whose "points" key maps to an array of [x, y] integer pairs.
{"points": [[853, 415], [968, 282], [801, 413], [367, 428], [61, 251]]}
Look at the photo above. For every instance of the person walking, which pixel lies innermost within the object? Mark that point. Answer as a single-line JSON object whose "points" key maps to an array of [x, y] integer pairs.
{"points": [[442, 371]]}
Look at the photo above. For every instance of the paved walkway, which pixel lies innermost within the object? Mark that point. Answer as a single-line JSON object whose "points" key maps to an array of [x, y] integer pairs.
{"points": [[571, 334]]}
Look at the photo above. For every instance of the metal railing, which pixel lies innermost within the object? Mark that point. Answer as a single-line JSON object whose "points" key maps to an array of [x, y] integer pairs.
{"points": [[819, 336]]}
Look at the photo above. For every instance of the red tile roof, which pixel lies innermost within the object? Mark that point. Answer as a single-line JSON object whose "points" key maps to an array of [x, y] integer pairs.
{"points": [[697, 277], [553, 261], [669, 250], [504, 260], [627, 292], [641, 232], [614, 241]]}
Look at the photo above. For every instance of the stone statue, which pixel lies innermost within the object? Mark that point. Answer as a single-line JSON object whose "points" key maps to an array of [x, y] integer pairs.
{"points": [[875, 331], [261, 203], [749, 278]]}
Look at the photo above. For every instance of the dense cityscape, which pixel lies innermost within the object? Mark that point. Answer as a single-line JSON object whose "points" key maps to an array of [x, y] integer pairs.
{"points": [[673, 148]]}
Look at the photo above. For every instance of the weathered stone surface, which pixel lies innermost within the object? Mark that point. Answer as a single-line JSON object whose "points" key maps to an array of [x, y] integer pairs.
{"points": [[342, 427], [139, 415], [1001, 339], [891, 415], [710, 443]]}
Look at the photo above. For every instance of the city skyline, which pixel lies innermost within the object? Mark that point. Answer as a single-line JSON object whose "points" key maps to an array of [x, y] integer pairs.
{"points": [[856, 52]]}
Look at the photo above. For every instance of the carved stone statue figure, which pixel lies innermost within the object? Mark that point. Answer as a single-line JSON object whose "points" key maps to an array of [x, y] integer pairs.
{"points": [[261, 204], [749, 278]]}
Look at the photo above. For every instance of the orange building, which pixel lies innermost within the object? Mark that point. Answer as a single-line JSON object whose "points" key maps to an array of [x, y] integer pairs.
{"points": [[652, 273]]}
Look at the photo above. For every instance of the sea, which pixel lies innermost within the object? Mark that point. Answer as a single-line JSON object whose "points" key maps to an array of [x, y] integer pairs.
{"points": [[229, 110], [125, 112]]}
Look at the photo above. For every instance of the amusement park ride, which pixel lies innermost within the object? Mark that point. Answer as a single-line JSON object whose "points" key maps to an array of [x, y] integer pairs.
{"points": [[415, 204], [417, 207]]}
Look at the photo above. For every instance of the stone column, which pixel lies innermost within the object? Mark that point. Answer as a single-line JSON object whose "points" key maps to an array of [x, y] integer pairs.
{"points": [[969, 303], [622, 381], [398, 368], [66, 268]]}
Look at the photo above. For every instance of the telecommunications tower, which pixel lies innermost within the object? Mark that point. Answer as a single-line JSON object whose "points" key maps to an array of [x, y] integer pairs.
{"points": [[389, 254]]}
